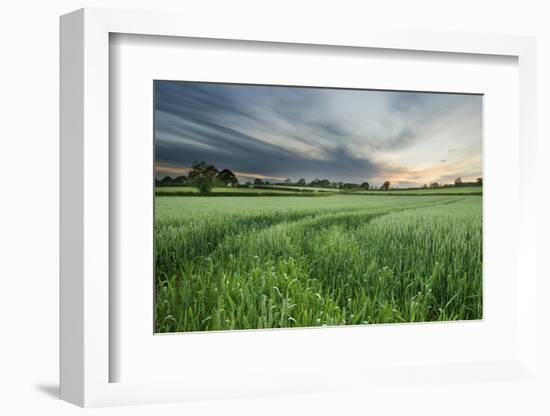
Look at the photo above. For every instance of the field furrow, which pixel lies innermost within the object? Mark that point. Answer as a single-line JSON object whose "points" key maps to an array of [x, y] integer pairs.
{"points": [[325, 261]]}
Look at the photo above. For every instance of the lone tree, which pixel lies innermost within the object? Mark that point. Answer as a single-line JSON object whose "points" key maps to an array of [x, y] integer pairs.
{"points": [[458, 181], [228, 178], [365, 185], [385, 186], [203, 176], [301, 182], [479, 181], [258, 181]]}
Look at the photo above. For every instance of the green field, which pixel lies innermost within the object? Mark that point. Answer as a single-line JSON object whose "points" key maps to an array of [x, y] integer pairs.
{"points": [[246, 262], [224, 190], [451, 190], [276, 190]]}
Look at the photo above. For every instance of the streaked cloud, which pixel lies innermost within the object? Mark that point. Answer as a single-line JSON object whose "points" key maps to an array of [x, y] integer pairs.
{"points": [[343, 135]]}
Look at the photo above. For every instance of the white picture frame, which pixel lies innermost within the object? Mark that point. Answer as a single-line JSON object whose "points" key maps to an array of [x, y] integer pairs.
{"points": [[85, 352]]}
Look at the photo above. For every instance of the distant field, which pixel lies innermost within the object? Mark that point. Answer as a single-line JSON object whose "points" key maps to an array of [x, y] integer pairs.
{"points": [[302, 188], [226, 191], [272, 262], [463, 190], [190, 189], [275, 190]]}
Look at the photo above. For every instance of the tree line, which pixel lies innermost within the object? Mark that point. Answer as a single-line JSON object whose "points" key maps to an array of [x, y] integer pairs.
{"points": [[205, 177], [457, 183]]}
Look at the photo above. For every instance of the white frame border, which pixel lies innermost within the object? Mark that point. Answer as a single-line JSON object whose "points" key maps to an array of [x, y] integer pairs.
{"points": [[84, 183]]}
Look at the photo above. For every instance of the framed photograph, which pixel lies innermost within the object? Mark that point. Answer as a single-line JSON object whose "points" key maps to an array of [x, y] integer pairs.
{"points": [[269, 212], [292, 207]]}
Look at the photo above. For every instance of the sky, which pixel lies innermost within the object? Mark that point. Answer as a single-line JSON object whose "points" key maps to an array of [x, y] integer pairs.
{"points": [[276, 133]]}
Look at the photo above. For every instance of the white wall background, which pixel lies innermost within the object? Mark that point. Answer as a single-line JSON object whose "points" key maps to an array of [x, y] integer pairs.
{"points": [[29, 199]]}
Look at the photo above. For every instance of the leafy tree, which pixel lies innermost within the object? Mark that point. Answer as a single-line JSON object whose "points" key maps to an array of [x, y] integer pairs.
{"points": [[288, 181], [228, 178], [301, 182], [365, 185], [434, 185], [180, 180], [203, 176], [458, 181], [258, 181], [167, 180], [320, 183], [385, 186], [479, 181]]}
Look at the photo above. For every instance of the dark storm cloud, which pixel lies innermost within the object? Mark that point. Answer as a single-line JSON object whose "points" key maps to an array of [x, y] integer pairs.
{"points": [[280, 132]]}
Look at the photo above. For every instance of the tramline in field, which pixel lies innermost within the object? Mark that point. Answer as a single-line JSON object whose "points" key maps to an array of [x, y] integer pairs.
{"points": [[244, 262]]}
